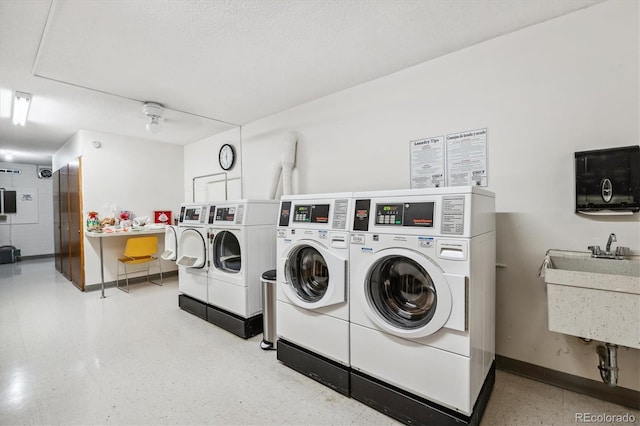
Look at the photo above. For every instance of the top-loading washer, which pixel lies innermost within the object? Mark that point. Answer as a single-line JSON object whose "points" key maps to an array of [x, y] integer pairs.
{"points": [[192, 258], [241, 248], [312, 307], [422, 286]]}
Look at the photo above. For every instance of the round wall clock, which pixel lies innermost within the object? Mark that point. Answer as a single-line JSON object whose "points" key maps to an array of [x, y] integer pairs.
{"points": [[227, 157]]}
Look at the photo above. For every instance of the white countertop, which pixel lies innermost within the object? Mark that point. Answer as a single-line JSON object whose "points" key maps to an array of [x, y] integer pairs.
{"points": [[153, 229]]}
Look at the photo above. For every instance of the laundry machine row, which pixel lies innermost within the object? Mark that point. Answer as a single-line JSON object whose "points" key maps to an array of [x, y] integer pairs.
{"points": [[392, 301], [223, 249]]}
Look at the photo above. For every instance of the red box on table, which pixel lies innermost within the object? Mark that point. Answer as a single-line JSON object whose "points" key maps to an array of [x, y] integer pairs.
{"points": [[162, 216]]}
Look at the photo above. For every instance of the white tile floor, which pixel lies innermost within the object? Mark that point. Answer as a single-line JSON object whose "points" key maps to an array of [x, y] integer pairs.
{"points": [[68, 357]]}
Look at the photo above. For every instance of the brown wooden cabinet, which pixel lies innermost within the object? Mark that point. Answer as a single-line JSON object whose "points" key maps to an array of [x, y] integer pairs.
{"points": [[67, 223], [57, 225]]}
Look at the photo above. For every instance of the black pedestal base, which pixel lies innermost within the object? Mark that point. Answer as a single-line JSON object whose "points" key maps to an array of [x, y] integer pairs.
{"points": [[411, 409], [193, 306], [319, 368], [243, 327]]}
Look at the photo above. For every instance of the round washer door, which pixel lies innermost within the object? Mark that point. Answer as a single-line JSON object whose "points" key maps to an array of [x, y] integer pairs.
{"points": [[314, 276], [225, 253], [406, 294], [192, 249]]}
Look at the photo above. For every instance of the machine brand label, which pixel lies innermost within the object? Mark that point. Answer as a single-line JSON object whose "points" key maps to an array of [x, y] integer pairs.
{"points": [[366, 249], [425, 242], [357, 239], [323, 234]]}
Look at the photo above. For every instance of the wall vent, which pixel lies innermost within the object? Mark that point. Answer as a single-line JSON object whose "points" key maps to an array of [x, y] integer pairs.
{"points": [[44, 172], [14, 171]]}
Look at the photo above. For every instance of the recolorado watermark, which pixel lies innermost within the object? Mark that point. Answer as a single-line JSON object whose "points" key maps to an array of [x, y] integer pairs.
{"points": [[604, 418]]}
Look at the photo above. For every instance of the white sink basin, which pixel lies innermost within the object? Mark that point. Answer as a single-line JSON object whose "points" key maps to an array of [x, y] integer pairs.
{"points": [[594, 298]]}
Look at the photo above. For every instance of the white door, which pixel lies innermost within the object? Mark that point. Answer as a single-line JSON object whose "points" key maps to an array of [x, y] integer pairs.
{"points": [[226, 255], [314, 276], [170, 243], [405, 293], [192, 249]]}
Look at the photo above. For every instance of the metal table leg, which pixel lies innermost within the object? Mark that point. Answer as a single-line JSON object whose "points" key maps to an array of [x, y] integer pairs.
{"points": [[101, 270]]}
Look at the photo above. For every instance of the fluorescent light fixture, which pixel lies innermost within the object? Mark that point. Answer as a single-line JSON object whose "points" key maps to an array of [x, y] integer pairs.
{"points": [[21, 103]]}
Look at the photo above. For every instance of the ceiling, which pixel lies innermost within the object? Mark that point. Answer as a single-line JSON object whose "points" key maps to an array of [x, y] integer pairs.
{"points": [[91, 64]]}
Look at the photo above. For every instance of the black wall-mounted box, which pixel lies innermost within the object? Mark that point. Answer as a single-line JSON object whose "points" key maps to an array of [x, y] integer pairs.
{"points": [[8, 201], [608, 179]]}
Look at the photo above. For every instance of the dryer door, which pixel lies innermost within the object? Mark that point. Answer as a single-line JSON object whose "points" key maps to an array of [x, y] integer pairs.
{"points": [[314, 276], [225, 252], [407, 295], [170, 243], [192, 249]]}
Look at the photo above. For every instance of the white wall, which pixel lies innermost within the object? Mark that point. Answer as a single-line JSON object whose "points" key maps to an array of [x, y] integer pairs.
{"points": [[138, 175], [71, 150], [544, 92], [33, 235], [201, 159]]}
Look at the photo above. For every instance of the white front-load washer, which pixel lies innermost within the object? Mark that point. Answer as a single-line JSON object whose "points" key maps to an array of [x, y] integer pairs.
{"points": [[192, 258], [242, 246], [312, 307], [422, 286]]}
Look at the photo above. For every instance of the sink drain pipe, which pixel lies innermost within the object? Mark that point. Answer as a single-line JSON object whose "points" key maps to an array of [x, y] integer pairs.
{"points": [[608, 363]]}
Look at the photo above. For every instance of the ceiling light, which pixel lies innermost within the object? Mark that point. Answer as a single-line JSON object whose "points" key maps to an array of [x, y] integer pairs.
{"points": [[21, 103], [154, 125], [154, 112]]}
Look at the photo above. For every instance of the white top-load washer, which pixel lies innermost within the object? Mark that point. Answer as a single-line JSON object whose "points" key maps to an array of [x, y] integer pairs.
{"points": [[192, 256], [241, 248], [312, 274], [422, 286]]}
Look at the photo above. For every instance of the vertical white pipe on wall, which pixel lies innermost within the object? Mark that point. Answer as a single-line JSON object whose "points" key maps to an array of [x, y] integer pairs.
{"points": [[284, 171]]}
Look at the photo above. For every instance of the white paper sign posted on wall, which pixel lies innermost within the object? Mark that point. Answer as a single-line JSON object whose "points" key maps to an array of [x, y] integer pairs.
{"points": [[467, 158], [427, 162]]}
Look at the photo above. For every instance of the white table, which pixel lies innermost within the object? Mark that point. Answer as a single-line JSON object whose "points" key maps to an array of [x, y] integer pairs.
{"points": [[129, 233]]}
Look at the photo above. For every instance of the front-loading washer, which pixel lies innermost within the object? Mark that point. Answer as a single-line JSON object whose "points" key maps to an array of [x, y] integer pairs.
{"points": [[192, 258], [312, 309], [242, 247], [422, 286]]}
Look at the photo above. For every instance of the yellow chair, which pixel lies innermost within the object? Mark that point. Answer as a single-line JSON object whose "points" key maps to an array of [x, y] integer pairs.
{"points": [[139, 250]]}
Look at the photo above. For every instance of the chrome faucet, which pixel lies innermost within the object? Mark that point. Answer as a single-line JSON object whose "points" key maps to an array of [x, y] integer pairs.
{"points": [[612, 239], [595, 251], [620, 253]]}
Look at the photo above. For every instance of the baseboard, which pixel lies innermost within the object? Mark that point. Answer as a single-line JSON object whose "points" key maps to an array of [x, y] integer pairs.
{"points": [[617, 395], [133, 280]]}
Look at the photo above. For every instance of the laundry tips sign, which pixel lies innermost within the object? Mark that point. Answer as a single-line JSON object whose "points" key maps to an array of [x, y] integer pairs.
{"points": [[457, 159]]}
